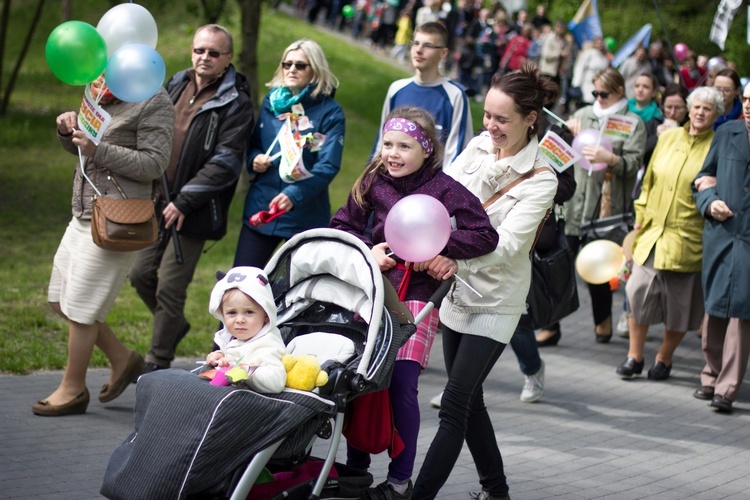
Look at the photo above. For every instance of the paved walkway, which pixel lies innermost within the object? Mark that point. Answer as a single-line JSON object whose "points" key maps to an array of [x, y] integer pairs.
{"points": [[591, 436]]}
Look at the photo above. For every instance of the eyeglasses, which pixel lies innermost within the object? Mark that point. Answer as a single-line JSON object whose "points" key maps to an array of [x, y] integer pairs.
{"points": [[603, 95], [427, 46], [199, 51], [725, 90], [299, 65]]}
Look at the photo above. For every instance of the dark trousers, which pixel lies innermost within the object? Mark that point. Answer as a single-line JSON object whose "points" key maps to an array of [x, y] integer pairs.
{"points": [[162, 285], [601, 295], [524, 345], [254, 248], [463, 416], [403, 393]]}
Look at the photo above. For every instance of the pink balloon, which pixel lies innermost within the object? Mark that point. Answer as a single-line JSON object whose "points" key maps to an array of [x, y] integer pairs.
{"points": [[680, 51], [417, 228], [590, 137]]}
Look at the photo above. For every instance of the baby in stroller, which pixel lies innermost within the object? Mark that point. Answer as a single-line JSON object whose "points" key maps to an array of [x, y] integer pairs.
{"points": [[195, 440], [243, 302]]}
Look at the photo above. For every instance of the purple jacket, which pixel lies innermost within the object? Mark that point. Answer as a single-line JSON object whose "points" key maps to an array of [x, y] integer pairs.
{"points": [[474, 236]]}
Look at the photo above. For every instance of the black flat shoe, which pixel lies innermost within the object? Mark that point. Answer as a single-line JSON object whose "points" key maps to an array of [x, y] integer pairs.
{"points": [[659, 371], [552, 340], [603, 338], [705, 392], [630, 368], [722, 404]]}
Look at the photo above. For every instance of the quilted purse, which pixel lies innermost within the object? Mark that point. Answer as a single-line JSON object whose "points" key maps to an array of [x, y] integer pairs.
{"points": [[123, 225]]}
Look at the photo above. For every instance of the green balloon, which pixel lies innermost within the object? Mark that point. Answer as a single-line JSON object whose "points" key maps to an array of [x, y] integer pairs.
{"points": [[76, 53], [610, 43], [347, 11]]}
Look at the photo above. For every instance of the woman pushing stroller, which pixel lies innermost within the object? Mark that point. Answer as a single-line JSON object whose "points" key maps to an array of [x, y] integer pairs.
{"points": [[409, 162]]}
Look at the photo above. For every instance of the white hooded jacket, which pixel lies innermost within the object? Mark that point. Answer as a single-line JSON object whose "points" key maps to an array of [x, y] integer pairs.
{"points": [[265, 349]]}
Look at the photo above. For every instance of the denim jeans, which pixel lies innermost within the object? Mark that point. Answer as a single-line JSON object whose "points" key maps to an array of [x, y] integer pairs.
{"points": [[524, 345], [468, 359]]}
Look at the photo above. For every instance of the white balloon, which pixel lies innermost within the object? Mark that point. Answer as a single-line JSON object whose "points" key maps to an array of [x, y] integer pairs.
{"points": [[125, 24]]}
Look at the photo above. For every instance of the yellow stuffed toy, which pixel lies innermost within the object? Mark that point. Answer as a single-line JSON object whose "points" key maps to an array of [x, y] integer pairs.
{"points": [[303, 372]]}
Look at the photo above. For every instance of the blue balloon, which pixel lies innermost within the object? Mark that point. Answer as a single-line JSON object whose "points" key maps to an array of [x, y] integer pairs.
{"points": [[135, 72]]}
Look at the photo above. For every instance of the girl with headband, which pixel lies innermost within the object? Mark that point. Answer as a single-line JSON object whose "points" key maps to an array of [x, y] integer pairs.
{"points": [[410, 162]]}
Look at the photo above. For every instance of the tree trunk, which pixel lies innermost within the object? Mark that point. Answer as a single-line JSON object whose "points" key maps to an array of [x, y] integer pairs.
{"points": [[248, 61], [66, 10], [21, 57], [3, 34]]}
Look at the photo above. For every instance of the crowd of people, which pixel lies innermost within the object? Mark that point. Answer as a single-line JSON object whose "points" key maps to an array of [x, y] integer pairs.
{"points": [[683, 170]]}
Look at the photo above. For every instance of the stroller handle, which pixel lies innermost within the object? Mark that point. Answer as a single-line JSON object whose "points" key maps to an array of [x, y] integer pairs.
{"points": [[435, 299]]}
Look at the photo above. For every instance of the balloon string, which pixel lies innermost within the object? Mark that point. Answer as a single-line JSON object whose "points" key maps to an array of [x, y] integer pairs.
{"points": [[83, 171], [459, 278]]}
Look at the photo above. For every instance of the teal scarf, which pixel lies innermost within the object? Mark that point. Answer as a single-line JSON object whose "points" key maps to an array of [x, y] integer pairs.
{"points": [[647, 113], [282, 99]]}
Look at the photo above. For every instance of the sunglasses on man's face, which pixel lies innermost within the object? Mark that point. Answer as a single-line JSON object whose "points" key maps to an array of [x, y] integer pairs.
{"points": [[199, 51], [603, 95], [299, 65]]}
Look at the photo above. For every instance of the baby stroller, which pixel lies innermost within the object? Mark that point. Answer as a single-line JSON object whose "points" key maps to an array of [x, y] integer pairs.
{"points": [[193, 440]]}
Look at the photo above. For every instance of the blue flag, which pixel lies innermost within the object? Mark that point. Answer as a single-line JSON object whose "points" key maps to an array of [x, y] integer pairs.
{"points": [[585, 25], [642, 37]]}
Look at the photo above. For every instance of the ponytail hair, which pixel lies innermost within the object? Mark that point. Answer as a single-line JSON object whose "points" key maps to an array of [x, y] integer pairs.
{"points": [[529, 89]]}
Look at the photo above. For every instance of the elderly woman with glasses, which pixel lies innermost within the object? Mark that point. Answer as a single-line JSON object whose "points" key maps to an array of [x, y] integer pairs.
{"points": [[289, 190], [622, 162], [665, 285]]}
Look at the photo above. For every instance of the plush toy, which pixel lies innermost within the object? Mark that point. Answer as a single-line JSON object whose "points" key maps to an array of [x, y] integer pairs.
{"points": [[303, 372]]}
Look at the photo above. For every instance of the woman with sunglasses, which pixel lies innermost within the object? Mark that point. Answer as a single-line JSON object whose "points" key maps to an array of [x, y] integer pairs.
{"points": [[280, 203], [622, 162]]}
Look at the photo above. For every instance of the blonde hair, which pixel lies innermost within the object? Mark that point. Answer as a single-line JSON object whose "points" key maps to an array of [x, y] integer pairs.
{"points": [[421, 117], [322, 76], [611, 80]]}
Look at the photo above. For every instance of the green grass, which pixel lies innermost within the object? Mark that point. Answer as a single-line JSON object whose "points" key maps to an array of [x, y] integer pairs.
{"points": [[35, 178]]}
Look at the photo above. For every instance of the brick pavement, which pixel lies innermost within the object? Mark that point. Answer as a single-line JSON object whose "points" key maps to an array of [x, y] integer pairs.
{"points": [[592, 436]]}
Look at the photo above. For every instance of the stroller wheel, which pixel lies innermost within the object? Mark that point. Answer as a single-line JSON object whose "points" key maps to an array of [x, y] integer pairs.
{"points": [[325, 430]]}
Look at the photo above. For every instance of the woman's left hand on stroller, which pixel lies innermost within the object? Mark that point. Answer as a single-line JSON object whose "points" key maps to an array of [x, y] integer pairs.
{"points": [[442, 268]]}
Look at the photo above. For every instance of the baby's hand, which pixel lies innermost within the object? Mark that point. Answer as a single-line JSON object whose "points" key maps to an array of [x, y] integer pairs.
{"points": [[213, 358]]}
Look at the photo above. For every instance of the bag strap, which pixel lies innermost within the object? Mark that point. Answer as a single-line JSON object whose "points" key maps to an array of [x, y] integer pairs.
{"points": [[531, 173]]}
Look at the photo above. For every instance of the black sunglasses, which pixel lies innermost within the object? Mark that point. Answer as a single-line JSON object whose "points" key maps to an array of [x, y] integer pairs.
{"points": [[603, 95], [299, 65], [212, 53]]}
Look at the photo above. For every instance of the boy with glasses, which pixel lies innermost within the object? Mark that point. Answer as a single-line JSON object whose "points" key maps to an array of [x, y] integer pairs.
{"points": [[445, 99]]}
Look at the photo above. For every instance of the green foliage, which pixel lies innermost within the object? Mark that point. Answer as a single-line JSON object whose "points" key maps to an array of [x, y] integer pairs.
{"points": [[36, 175], [687, 21]]}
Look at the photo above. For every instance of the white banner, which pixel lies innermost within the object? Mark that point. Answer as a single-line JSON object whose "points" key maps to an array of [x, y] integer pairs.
{"points": [[723, 20]]}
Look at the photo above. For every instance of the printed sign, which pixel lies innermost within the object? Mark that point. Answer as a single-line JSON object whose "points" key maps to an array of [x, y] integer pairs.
{"points": [[92, 119], [620, 126], [291, 168], [557, 152]]}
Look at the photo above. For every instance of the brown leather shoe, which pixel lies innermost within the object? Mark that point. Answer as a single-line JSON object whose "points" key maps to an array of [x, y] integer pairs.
{"points": [[75, 406], [132, 371]]}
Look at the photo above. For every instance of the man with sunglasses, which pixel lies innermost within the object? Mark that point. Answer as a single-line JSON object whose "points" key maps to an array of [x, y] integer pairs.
{"points": [[213, 122], [429, 89]]}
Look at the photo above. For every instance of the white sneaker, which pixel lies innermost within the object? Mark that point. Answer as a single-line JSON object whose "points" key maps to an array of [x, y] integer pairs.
{"points": [[533, 388], [435, 402], [623, 329]]}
